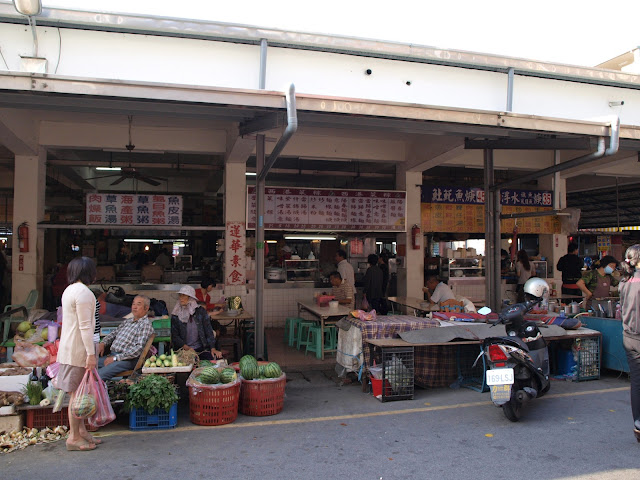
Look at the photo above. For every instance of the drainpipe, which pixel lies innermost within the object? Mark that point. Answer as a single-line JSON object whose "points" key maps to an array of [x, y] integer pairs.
{"points": [[510, 74], [601, 152], [292, 126]]}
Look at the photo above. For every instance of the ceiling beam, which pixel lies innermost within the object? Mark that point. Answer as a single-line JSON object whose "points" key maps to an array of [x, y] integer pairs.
{"points": [[577, 143]]}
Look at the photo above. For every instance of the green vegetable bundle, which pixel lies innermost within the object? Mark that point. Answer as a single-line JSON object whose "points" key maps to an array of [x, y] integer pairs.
{"points": [[153, 391]]}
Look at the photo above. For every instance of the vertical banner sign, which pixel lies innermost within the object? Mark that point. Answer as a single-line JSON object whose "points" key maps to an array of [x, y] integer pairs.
{"points": [[234, 255], [133, 209], [604, 244]]}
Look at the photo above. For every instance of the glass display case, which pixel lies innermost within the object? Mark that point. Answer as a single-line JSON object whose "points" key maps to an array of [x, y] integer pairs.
{"points": [[302, 270], [466, 267]]}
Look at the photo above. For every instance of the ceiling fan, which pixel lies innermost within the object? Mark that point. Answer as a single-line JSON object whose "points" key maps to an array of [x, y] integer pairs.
{"points": [[130, 172]]}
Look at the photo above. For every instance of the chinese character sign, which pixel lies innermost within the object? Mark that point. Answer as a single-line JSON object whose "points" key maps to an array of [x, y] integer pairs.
{"points": [[133, 209], [328, 209], [475, 196], [234, 254]]}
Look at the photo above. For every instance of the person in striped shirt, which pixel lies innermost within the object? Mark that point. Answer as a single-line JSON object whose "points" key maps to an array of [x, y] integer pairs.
{"points": [[342, 291]]}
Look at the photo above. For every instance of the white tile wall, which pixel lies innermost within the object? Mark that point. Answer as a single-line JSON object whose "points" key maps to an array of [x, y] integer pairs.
{"points": [[278, 303]]}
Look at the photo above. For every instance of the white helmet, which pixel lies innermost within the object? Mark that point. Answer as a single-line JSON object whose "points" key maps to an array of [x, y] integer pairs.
{"points": [[536, 287]]}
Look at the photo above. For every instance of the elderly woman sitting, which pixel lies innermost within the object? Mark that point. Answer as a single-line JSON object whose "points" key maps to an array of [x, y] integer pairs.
{"points": [[191, 326]]}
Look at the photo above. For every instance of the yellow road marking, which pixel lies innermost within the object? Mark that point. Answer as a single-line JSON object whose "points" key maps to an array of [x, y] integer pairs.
{"points": [[293, 421]]}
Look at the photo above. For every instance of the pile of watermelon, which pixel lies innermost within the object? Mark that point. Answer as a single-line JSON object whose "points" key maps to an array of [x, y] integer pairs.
{"points": [[211, 375], [250, 370]]}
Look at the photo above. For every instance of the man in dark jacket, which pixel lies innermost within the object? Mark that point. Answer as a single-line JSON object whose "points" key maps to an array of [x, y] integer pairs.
{"points": [[571, 267], [372, 286]]}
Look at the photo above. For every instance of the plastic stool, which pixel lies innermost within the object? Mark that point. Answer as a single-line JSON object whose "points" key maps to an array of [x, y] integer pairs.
{"points": [[330, 337], [303, 333], [314, 341], [294, 326]]}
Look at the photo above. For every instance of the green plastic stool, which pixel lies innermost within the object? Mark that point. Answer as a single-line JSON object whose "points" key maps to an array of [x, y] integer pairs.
{"points": [[291, 328], [250, 344], [303, 333], [330, 337], [314, 341]]}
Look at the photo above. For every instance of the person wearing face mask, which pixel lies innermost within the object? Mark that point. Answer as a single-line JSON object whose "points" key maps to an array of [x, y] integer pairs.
{"points": [[600, 280]]}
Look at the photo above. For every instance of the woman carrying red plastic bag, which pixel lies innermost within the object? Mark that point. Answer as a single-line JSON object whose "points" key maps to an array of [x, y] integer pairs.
{"points": [[91, 401]]}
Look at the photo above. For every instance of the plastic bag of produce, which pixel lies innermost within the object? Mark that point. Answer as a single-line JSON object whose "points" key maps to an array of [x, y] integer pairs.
{"points": [[104, 411], [27, 354], [84, 403]]}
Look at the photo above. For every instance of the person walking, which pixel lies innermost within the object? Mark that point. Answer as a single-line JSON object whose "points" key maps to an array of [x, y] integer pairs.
{"points": [[77, 351], [630, 309]]}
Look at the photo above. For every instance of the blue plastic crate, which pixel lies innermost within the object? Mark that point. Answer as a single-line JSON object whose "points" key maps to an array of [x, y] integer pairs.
{"points": [[139, 419]]}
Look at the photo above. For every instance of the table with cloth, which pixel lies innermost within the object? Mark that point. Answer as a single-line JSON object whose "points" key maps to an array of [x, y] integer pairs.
{"points": [[433, 366]]}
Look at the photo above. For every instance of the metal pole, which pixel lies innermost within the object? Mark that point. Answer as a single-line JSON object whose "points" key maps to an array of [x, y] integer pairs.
{"points": [[489, 226], [259, 325], [510, 89], [496, 298], [263, 64]]}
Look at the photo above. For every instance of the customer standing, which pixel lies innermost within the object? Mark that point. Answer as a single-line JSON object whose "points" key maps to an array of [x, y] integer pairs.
{"points": [[524, 272], [372, 286], [571, 267], [345, 268], [76, 352], [630, 308]]}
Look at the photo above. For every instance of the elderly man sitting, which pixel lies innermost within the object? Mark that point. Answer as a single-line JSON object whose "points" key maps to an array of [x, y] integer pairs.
{"points": [[341, 290], [126, 342], [437, 291]]}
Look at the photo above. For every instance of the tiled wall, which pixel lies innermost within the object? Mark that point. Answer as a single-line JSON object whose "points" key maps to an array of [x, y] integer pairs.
{"points": [[278, 303], [473, 288]]}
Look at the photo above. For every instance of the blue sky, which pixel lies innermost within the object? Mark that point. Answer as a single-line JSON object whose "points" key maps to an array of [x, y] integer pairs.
{"points": [[585, 32]]}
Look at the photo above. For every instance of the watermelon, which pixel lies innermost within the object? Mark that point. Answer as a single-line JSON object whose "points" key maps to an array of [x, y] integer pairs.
{"points": [[248, 359], [261, 371], [272, 370], [209, 375], [249, 370], [83, 407], [206, 363], [228, 375]]}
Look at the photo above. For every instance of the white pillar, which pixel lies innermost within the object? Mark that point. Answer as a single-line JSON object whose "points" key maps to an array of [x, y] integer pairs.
{"points": [[411, 272], [28, 206]]}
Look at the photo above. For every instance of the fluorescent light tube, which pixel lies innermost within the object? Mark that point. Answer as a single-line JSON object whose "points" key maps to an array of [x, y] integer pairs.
{"points": [[109, 169], [309, 237]]}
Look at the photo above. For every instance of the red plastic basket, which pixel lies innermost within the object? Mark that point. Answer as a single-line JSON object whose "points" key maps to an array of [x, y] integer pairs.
{"points": [[214, 405], [44, 417], [260, 398]]}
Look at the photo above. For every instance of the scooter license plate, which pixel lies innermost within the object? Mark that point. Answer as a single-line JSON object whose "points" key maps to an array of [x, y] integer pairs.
{"points": [[500, 394], [500, 376]]}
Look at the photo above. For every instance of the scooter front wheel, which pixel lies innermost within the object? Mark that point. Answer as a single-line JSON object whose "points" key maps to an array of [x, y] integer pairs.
{"points": [[512, 410]]}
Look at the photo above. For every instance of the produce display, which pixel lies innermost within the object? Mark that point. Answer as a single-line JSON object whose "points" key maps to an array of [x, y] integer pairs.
{"points": [[212, 376], [251, 370], [30, 436], [11, 398], [153, 391], [164, 361]]}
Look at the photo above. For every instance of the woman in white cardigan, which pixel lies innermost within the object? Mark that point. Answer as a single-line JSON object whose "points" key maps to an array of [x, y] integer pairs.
{"points": [[76, 352]]}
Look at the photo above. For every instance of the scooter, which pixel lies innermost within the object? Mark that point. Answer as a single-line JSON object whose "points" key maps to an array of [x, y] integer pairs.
{"points": [[518, 364]]}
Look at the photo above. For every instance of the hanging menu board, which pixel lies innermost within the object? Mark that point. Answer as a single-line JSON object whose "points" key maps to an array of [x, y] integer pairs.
{"points": [[133, 209], [461, 210], [328, 209]]}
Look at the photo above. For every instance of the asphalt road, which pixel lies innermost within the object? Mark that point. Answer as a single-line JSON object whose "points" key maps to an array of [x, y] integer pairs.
{"points": [[326, 431]]}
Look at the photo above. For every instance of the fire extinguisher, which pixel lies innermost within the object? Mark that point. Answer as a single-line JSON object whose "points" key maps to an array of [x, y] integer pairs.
{"points": [[415, 237], [23, 237]]}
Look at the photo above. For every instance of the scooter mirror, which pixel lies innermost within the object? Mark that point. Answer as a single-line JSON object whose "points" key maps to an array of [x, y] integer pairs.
{"points": [[484, 311]]}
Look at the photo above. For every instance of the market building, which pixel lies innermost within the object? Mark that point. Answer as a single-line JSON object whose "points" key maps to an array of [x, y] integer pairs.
{"points": [[193, 112]]}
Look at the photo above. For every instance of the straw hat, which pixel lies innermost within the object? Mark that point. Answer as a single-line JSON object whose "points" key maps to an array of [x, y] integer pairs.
{"points": [[188, 291]]}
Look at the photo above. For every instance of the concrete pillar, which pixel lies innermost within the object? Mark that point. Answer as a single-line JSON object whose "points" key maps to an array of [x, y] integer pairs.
{"points": [[554, 246], [411, 272], [28, 206], [235, 187]]}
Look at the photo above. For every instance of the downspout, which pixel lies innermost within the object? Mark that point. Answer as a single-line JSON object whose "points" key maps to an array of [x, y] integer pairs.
{"points": [[292, 126], [510, 75]]}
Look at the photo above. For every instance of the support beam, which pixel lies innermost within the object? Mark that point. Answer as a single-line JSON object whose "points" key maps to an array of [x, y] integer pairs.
{"points": [[19, 133]]}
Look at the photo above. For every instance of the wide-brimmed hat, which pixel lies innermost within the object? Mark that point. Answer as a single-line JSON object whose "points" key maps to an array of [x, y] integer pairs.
{"points": [[188, 291]]}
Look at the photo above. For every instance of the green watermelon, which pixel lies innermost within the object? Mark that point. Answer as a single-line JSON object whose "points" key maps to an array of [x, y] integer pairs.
{"points": [[210, 375], [261, 371], [248, 359], [272, 370], [249, 370], [206, 363], [228, 375]]}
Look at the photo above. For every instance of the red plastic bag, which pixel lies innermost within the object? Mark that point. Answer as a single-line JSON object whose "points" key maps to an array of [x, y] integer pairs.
{"points": [[104, 411]]}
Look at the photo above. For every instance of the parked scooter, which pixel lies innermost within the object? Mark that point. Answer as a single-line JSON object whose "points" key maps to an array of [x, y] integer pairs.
{"points": [[518, 364]]}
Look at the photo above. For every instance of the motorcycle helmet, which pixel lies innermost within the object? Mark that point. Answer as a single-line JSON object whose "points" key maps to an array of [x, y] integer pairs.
{"points": [[536, 287]]}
